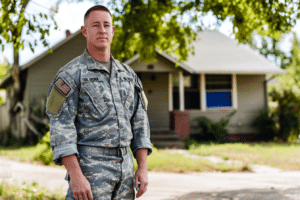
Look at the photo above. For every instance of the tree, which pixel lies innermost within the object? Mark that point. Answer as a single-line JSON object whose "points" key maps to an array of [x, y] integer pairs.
{"points": [[287, 96], [269, 47], [4, 71], [13, 21], [144, 26]]}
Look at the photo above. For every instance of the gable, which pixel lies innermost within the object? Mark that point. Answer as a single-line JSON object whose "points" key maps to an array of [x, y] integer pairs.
{"points": [[161, 65]]}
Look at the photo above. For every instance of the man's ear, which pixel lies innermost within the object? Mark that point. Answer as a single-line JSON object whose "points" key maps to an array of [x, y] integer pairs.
{"points": [[83, 31]]}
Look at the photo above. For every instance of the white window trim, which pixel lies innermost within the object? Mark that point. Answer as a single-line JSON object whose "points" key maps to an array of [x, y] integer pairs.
{"points": [[170, 92], [234, 100], [181, 92], [202, 92]]}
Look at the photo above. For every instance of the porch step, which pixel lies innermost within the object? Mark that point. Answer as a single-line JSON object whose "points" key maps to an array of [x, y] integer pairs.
{"points": [[166, 139], [170, 145], [162, 133]]}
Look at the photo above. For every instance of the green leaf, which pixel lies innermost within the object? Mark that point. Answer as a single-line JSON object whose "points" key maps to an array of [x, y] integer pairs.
{"points": [[31, 47]]}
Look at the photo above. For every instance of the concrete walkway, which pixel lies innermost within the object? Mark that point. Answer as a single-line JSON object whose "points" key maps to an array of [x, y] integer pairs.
{"points": [[168, 186]]}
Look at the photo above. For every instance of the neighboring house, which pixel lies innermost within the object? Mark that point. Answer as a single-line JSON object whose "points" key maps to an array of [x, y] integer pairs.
{"points": [[221, 77]]}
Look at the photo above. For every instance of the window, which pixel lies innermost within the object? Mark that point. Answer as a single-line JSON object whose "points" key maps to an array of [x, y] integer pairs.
{"points": [[218, 91], [191, 91]]}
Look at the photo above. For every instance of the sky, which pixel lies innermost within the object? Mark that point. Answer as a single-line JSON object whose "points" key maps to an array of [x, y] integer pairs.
{"points": [[70, 17]]}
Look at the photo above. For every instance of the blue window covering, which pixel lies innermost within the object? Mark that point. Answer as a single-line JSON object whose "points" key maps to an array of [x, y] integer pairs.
{"points": [[218, 99]]}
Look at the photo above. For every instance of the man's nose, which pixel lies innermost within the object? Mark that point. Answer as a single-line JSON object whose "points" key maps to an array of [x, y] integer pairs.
{"points": [[102, 29]]}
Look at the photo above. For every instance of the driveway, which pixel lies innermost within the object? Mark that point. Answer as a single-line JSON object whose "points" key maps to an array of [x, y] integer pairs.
{"points": [[272, 184]]}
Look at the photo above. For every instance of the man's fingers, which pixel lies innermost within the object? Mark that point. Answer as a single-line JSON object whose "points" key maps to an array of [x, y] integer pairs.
{"points": [[78, 196], [143, 188], [90, 195], [136, 181], [85, 197]]}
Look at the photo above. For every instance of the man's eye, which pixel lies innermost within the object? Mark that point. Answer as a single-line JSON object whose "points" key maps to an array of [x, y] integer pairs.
{"points": [[96, 25], [106, 25]]}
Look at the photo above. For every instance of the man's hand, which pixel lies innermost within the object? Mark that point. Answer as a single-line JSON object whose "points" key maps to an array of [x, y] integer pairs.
{"points": [[79, 184], [81, 188], [141, 174]]}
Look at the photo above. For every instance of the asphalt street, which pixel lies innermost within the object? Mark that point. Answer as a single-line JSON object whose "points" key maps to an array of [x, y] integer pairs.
{"points": [[275, 185]]}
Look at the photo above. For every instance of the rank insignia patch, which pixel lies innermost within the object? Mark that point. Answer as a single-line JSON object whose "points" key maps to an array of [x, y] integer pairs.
{"points": [[62, 86]]}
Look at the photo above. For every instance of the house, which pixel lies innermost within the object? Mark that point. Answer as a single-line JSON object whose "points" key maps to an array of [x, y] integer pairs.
{"points": [[222, 76]]}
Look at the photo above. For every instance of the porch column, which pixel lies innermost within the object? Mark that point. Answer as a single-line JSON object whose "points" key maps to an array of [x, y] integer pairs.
{"points": [[181, 92], [202, 92], [234, 92], [170, 92]]}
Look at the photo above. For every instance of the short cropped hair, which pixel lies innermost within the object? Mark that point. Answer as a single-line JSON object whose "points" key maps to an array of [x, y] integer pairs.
{"points": [[97, 7]]}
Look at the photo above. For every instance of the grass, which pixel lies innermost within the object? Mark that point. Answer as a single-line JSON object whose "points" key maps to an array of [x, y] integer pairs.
{"points": [[162, 161], [159, 161], [27, 192], [285, 155], [281, 155], [25, 154]]}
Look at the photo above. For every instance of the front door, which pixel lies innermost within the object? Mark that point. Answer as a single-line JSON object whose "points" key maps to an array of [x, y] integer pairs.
{"points": [[156, 89]]}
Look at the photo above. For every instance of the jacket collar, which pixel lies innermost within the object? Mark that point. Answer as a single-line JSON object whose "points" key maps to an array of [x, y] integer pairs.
{"points": [[92, 64]]}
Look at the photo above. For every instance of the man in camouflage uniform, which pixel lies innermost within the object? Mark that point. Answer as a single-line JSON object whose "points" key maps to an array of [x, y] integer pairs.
{"points": [[97, 109]]}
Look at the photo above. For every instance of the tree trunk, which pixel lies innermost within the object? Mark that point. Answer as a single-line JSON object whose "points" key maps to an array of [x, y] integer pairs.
{"points": [[16, 75], [14, 98]]}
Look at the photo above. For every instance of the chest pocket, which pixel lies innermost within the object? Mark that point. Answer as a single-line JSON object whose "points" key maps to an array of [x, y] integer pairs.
{"points": [[127, 90], [95, 88]]}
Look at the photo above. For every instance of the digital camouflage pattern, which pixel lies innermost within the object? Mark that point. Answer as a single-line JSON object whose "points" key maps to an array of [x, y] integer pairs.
{"points": [[110, 177], [100, 109]]}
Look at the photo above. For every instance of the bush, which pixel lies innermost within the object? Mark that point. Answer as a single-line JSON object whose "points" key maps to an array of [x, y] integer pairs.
{"points": [[287, 112], [213, 131], [46, 156], [265, 123]]}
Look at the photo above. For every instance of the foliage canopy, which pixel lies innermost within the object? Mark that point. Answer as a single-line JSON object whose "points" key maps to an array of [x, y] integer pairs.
{"points": [[286, 94], [167, 25]]}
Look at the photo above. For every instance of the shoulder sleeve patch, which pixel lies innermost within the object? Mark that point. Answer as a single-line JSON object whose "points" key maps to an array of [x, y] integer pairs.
{"points": [[62, 86], [58, 94], [55, 101], [145, 100]]}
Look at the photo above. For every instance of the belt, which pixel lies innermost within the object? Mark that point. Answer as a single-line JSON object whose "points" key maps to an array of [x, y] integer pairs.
{"points": [[90, 150]]}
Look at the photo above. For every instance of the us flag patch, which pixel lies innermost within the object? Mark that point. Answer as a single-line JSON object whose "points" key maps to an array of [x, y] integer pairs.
{"points": [[62, 86]]}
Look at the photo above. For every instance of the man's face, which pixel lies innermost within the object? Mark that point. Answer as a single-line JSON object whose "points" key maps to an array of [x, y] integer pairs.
{"points": [[98, 30]]}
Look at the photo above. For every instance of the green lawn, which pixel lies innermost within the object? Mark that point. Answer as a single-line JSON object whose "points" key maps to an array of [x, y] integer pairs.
{"points": [[159, 160], [27, 192], [285, 156]]}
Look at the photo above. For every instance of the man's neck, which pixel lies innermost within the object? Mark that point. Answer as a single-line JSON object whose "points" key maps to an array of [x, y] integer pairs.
{"points": [[99, 55]]}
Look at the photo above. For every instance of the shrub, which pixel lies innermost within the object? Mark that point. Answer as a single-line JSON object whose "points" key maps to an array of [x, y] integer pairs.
{"points": [[214, 131], [46, 156], [265, 123], [287, 112]]}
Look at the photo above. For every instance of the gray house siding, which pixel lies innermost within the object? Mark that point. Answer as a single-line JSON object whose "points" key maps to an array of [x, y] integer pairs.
{"points": [[161, 65], [41, 73], [4, 120]]}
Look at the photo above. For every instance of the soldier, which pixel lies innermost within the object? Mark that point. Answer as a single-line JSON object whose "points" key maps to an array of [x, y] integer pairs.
{"points": [[97, 109]]}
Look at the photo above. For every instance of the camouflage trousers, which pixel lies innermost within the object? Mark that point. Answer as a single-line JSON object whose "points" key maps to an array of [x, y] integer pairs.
{"points": [[110, 177]]}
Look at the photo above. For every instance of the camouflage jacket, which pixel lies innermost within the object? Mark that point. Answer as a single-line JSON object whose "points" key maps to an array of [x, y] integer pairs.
{"points": [[89, 106]]}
